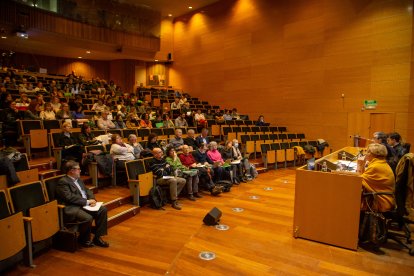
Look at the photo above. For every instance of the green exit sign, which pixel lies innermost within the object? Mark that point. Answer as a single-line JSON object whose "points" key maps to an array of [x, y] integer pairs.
{"points": [[370, 104]]}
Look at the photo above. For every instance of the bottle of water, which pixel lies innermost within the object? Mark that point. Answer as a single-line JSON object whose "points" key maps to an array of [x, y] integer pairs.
{"points": [[324, 167], [344, 156]]}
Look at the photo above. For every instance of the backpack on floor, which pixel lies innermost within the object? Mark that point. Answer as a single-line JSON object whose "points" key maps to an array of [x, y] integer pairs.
{"points": [[253, 171], [157, 198], [225, 185]]}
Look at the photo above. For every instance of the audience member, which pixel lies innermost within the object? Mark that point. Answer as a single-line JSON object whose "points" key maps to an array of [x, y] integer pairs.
{"points": [[55, 102], [145, 121], [99, 106], [86, 137], [163, 173], [392, 159], [180, 121], [104, 123], [217, 160], [177, 142], [394, 140], [243, 161], [64, 113], [191, 176], [72, 192], [167, 122], [31, 113], [203, 138], [153, 141], [378, 177], [121, 152], [47, 113], [200, 119], [190, 140], [71, 149], [261, 121], [133, 141], [10, 117], [205, 179]]}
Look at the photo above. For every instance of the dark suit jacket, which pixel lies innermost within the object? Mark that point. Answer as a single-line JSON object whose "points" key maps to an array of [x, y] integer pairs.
{"points": [[199, 140], [69, 195]]}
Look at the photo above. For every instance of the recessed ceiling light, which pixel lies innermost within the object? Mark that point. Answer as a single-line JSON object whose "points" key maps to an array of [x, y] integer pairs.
{"points": [[79, 57], [155, 59], [190, 7], [3, 37], [169, 14], [88, 52]]}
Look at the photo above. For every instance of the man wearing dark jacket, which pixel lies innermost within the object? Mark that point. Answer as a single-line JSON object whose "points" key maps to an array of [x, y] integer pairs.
{"points": [[71, 191], [163, 172]]}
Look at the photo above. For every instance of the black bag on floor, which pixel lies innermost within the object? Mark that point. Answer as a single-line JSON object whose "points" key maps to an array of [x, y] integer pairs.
{"points": [[157, 197], [66, 240], [225, 185]]}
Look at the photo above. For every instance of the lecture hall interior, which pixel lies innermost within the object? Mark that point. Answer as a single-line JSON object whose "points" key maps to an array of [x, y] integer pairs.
{"points": [[326, 76]]}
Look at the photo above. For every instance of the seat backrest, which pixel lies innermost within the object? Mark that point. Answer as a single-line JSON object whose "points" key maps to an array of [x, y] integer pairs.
{"points": [[291, 136], [403, 171], [22, 164], [115, 131], [282, 129], [94, 147], [147, 162], [143, 132], [51, 124], [27, 125], [127, 132], [284, 145], [50, 185], [157, 131], [4, 205], [282, 136], [169, 131], [134, 168], [265, 147], [38, 138], [275, 146], [26, 196]]}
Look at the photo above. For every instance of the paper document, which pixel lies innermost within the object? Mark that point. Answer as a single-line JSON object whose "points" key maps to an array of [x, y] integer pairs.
{"points": [[167, 177], [94, 208]]}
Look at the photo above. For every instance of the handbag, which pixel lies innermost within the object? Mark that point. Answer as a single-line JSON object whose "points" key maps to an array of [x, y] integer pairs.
{"points": [[66, 240], [373, 228]]}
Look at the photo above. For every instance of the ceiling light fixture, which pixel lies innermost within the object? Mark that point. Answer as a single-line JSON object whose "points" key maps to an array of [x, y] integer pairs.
{"points": [[79, 57], [3, 37], [155, 60], [22, 34], [190, 7], [169, 14], [88, 52]]}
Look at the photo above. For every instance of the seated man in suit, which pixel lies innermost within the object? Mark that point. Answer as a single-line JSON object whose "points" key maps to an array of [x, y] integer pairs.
{"points": [[72, 192]]}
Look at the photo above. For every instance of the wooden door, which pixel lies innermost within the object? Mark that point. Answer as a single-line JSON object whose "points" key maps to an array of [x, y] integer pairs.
{"points": [[384, 122]]}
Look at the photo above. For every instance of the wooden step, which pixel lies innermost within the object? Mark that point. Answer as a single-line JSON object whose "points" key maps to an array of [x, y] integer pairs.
{"points": [[118, 202], [122, 213], [261, 170]]}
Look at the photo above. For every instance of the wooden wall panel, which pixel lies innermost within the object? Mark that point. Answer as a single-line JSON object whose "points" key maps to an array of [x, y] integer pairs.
{"points": [[292, 60], [63, 66]]}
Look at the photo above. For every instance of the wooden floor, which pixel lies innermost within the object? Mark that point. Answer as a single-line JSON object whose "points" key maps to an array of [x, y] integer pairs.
{"points": [[259, 242]]}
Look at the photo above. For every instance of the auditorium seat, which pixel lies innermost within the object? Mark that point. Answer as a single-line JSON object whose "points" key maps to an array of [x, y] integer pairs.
{"points": [[31, 199], [139, 180], [13, 238]]}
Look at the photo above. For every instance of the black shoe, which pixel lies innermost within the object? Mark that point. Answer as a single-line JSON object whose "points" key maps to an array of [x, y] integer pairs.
{"points": [[191, 197], [86, 244], [197, 195], [175, 205], [98, 241]]}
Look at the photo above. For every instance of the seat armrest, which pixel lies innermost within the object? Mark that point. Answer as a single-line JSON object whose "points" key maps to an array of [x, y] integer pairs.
{"points": [[27, 219]]}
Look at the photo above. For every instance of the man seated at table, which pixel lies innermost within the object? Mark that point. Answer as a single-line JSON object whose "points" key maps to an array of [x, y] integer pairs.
{"points": [[71, 192]]}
